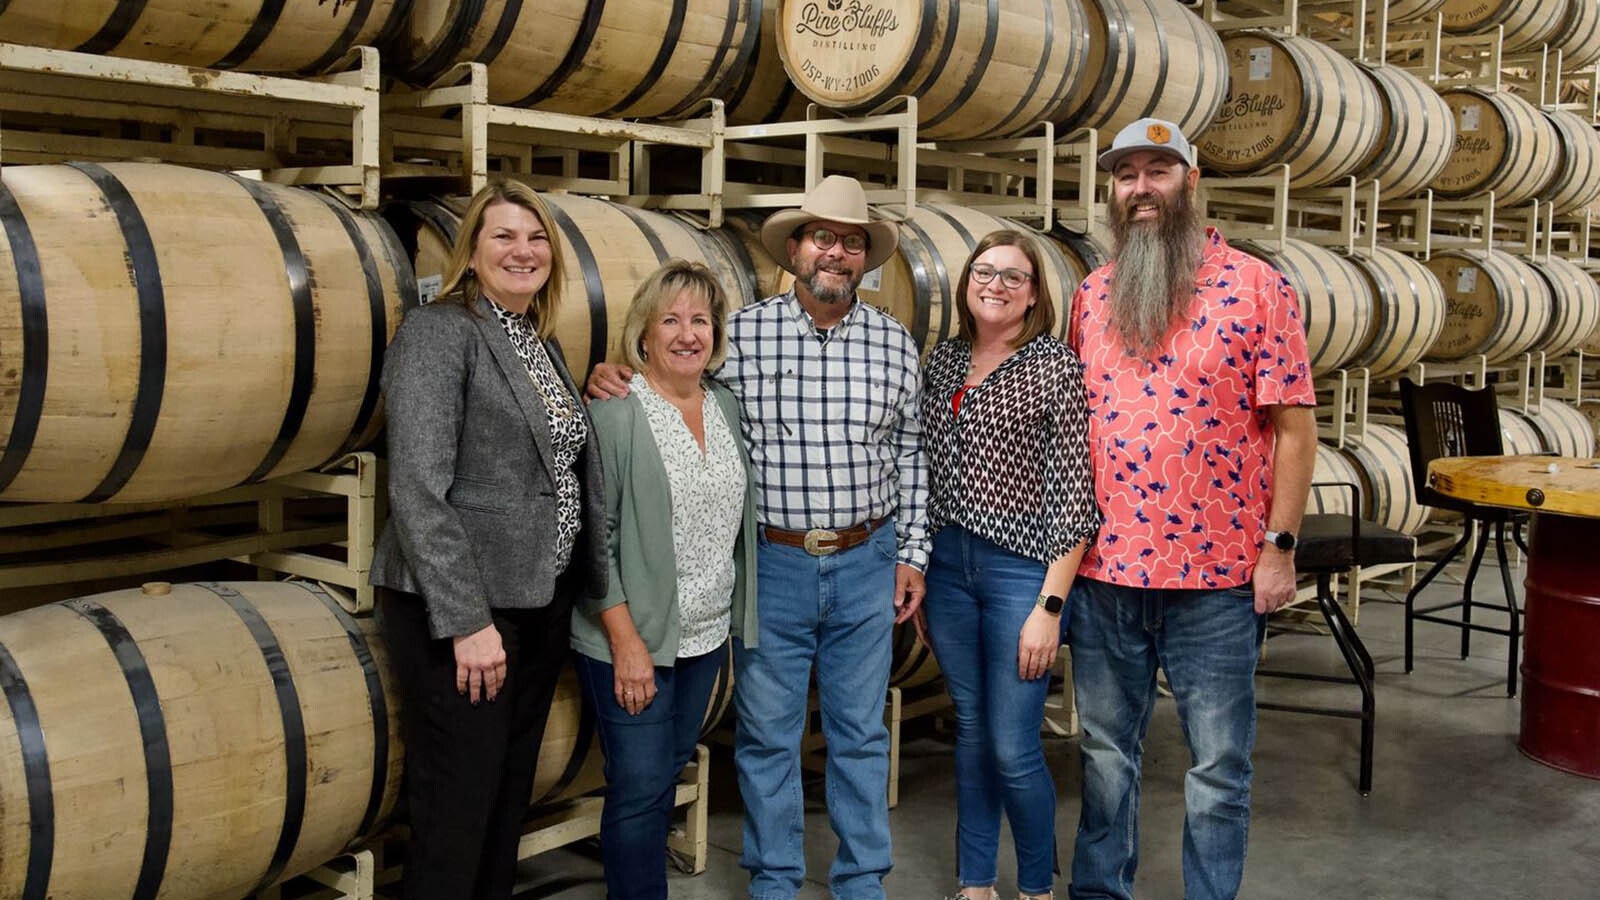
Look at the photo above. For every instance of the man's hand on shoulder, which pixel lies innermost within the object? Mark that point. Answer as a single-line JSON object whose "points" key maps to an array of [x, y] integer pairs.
{"points": [[608, 381]]}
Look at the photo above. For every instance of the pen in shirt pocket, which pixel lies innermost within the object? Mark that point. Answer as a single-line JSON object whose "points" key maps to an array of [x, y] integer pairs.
{"points": [[777, 398]]}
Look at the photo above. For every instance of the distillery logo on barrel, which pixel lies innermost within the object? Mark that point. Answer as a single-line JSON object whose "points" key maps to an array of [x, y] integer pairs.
{"points": [[1257, 113], [841, 51], [1478, 146]]}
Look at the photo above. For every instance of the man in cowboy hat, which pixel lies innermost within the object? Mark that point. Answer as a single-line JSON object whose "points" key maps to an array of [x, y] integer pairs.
{"points": [[829, 390], [1200, 419]]}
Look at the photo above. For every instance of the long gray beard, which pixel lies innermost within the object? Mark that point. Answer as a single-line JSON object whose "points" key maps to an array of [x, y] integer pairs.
{"points": [[1156, 264]]}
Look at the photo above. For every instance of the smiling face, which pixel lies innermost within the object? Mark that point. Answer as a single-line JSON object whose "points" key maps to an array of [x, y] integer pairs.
{"points": [[511, 255], [997, 310], [678, 344], [1147, 185], [830, 275]]}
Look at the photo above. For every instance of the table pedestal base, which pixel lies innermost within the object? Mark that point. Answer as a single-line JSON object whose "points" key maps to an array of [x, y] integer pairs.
{"points": [[1561, 660]]}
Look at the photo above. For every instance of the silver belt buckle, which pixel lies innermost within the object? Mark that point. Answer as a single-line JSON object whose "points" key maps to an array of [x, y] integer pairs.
{"points": [[814, 539]]}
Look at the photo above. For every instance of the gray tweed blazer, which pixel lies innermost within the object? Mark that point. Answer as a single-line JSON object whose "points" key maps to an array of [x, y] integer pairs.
{"points": [[470, 490]]}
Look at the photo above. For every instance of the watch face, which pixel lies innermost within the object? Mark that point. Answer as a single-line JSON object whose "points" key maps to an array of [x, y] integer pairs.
{"points": [[1051, 603], [1284, 540]]}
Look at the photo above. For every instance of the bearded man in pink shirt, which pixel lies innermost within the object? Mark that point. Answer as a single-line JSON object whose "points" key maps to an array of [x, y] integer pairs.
{"points": [[1202, 436]]}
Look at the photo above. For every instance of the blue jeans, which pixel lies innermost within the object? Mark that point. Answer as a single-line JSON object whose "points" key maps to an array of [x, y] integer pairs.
{"points": [[979, 594], [644, 755], [1207, 642], [836, 612]]}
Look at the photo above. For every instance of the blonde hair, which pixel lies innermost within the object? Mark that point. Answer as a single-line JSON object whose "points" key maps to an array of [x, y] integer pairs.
{"points": [[1040, 318], [461, 283], [675, 277]]}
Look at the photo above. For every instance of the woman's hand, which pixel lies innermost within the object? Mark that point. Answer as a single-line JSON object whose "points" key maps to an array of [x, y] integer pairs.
{"points": [[480, 664], [635, 681], [1036, 647]]}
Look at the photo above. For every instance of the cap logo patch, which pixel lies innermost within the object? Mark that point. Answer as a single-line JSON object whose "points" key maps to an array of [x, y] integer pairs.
{"points": [[1158, 134]]}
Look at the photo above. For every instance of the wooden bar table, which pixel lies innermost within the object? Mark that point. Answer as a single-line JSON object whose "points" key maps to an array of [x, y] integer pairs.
{"points": [[1561, 656]]}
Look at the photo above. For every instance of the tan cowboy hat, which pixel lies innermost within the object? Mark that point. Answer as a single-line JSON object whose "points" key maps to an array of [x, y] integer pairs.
{"points": [[837, 198]]}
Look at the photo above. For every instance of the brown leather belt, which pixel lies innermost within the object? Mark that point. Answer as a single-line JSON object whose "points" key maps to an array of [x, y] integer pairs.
{"points": [[823, 541]]}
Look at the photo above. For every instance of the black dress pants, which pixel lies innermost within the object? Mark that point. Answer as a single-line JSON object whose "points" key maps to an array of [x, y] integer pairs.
{"points": [[469, 769]]}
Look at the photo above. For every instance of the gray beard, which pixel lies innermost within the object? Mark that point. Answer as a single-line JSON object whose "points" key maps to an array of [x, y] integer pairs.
{"points": [[825, 293], [1154, 281]]}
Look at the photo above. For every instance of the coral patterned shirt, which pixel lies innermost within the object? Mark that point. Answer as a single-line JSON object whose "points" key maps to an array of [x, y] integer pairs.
{"points": [[1182, 443]]}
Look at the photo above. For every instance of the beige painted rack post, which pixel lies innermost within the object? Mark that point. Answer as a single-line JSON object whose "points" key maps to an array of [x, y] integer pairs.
{"points": [[59, 105]]}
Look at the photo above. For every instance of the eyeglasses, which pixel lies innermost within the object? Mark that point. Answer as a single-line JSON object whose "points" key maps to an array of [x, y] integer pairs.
{"points": [[1011, 278], [825, 239]]}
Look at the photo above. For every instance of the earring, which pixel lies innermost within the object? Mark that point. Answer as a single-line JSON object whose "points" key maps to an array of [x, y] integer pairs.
{"points": [[643, 353]]}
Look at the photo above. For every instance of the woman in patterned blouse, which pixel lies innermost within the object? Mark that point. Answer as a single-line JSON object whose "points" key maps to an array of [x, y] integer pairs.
{"points": [[1012, 508], [495, 511], [680, 505]]}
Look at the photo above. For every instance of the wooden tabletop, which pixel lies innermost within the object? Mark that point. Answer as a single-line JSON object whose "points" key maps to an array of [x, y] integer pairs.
{"points": [[1521, 482]]}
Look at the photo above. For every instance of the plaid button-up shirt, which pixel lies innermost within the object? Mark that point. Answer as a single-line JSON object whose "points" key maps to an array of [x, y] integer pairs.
{"points": [[833, 419]]}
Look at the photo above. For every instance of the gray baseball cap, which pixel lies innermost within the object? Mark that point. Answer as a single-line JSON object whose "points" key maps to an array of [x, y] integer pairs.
{"points": [[1147, 134]]}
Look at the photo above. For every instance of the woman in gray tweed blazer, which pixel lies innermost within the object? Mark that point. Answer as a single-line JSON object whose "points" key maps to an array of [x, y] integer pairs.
{"points": [[496, 529]]}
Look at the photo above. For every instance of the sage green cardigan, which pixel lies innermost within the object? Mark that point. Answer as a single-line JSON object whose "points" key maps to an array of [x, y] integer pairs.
{"points": [[644, 565]]}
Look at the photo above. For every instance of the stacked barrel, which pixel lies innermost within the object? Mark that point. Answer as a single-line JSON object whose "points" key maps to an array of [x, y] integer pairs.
{"points": [[1423, 140]]}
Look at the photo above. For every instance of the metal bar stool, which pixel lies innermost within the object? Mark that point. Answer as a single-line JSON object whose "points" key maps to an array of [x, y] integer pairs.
{"points": [[1330, 544], [1442, 420]]}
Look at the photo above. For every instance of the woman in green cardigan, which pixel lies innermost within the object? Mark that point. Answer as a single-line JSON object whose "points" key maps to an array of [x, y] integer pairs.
{"points": [[681, 509]]}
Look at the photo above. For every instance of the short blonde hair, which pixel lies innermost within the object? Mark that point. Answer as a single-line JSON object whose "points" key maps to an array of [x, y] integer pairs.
{"points": [[662, 287], [461, 283]]}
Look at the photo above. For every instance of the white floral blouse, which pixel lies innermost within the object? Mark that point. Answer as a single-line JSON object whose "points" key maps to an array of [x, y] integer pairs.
{"points": [[707, 503]]}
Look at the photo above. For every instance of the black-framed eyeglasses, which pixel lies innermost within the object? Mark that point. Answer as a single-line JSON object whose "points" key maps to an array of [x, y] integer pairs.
{"points": [[1011, 278], [825, 238]]}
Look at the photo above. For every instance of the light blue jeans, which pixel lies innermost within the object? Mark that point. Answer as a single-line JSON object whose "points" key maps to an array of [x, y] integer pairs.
{"points": [[1207, 642], [979, 594], [837, 613]]}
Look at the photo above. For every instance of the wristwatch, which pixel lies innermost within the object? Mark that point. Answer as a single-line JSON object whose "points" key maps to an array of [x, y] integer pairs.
{"points": [[1051, 604], [1283, 540]]}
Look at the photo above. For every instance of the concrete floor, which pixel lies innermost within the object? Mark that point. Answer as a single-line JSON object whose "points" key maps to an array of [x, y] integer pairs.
{"points": [[1456, 811]]}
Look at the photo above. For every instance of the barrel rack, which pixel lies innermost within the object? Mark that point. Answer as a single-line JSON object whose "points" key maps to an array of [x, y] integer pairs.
{"points": [[285, 527], [60, 105], [358, 873], [450, 130]]}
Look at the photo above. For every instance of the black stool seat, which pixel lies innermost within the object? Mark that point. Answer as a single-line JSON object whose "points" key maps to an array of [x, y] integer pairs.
{"points": [[1328, 544], [1326, 541]]}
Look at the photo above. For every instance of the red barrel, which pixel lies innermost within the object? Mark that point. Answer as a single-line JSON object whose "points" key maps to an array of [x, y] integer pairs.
{"points": [[1561, 665]]}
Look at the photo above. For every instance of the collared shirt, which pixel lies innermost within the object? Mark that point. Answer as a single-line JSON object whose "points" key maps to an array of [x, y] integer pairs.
{"points": [[832, 419], [1183, 443], [568, 429], [1013, 464], [707, 489]]}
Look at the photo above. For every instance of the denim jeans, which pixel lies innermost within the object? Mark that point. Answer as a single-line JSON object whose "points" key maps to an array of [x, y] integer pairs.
{"points": [[836, 612], [979, 594], [643, 756], [1207, 642]]}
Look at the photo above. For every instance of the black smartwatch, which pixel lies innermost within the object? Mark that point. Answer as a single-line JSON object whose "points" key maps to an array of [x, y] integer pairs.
{"points": [[1051, 604], [1283, 540]]}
